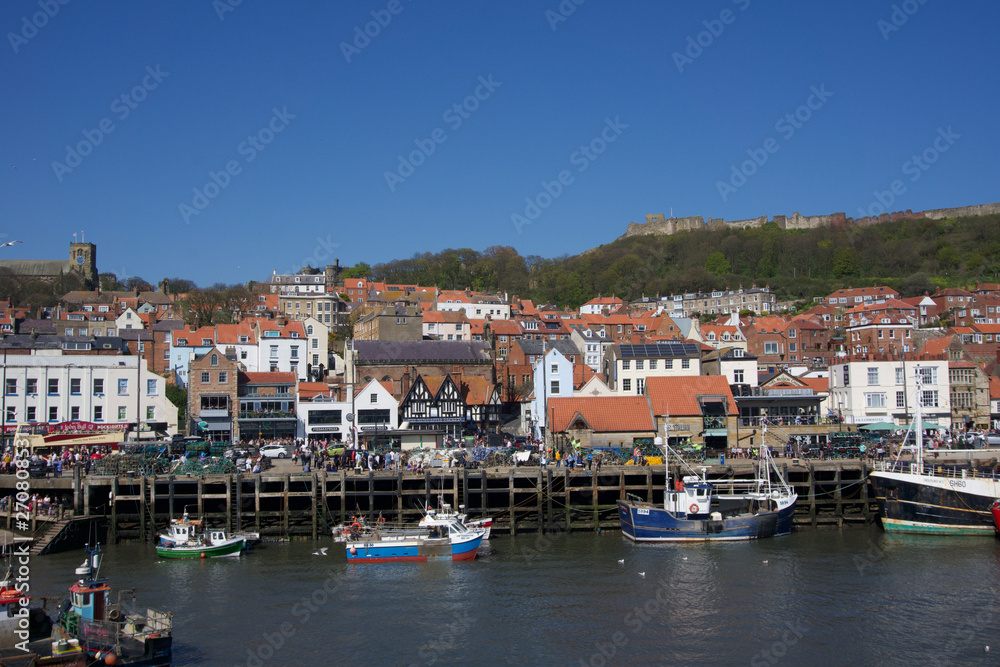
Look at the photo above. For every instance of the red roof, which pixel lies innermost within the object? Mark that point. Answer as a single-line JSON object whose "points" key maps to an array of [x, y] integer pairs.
{"points": [[267, 378], [604, 414], [678, 396]]}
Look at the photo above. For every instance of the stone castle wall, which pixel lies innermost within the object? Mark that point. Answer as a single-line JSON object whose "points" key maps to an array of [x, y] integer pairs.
{"points": [[658, 224]]}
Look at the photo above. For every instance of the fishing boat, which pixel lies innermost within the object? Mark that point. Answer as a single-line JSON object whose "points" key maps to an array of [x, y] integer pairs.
{"points": [[105, 629], [915, 497], [436, 538], [189, 538], [462, 517], [696, 509]]}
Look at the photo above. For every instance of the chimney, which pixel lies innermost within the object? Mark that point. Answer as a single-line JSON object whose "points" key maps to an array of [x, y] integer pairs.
{"points": [[404, 381]]}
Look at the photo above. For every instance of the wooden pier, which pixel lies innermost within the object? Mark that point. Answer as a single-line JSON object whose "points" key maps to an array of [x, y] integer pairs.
{"points": [[531, 499]]}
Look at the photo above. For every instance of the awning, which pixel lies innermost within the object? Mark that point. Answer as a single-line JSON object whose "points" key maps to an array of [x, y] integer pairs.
{"points": [[715, 433], [879, 426]]}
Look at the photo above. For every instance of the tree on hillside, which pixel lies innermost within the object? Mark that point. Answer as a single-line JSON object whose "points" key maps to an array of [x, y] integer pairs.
{"points": [[718, 264], [359, 270]]}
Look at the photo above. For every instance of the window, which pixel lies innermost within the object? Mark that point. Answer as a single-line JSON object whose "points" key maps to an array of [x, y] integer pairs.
{"points": [[11, 416], [98, 413], [122, 386], [98, 386], [31, 413], [31, 386], [640, 364], [74, 386], [872, 376], [900, 399], [295, 351], [10, 387], [738, 376], [875, 400], [53, 414], [315, 343], [847, 376], [309, 330], [928, 374], [685, 363], [274, 352], [668, 364], [791, 333], [53, 386], [900, 377], [214, 360], [206, 377], [74, 413], [626, 365], [652, 364], [640, 386], [929, 398], [121, 413], [791, 347], [374, 398], [150, 412], [770, 348], [554, 387], [223, 377], [626, 385]]}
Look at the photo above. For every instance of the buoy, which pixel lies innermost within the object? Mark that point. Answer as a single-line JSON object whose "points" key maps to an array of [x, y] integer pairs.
{"points": [[202, 554], [111, 659], [353, 551]]}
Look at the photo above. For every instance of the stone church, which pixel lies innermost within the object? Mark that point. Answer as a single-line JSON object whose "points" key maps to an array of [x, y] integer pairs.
{"points": [[82, 261]]}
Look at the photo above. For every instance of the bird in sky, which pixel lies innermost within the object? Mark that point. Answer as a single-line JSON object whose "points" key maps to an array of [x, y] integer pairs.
{"points": [[4, 245]]}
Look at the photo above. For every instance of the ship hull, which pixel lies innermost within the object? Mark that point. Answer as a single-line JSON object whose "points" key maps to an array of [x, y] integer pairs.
{"points": [[914, 503], [642, 522]]}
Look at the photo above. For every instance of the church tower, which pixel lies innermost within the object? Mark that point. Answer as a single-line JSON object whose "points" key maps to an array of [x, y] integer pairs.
{"points": [[83, 260]]}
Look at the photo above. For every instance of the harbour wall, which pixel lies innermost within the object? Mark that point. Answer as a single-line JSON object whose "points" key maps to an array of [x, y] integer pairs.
{"points": [[308, 505]]}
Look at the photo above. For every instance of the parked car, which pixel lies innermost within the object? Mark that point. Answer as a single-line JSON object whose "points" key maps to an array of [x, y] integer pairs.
{"points": [[274, 451]]}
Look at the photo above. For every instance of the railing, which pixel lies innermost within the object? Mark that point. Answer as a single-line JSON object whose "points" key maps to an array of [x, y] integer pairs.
{"points": [[786, 420], [931, 470], [267, 414]]}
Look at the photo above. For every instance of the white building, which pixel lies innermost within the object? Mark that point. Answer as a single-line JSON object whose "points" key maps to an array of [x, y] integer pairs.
{"points": [[734, 363], [553, 378], [317, 345], [627, 367], [865, 392], [375, 409], [101, 389]]}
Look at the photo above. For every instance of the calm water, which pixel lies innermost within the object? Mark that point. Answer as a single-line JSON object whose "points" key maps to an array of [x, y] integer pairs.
{"points": [[823, 597]]}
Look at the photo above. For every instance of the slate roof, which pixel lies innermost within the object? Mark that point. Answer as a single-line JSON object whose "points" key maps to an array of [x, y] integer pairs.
{"points": [[566, 347], [400, 351]]}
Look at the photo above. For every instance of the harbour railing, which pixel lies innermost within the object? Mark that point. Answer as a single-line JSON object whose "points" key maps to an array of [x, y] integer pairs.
{"points": [[936, 470]]}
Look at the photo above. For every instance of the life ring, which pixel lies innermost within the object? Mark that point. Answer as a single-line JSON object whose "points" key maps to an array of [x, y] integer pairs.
{"points": [[356, 526], [693, 509], [381, 520]]}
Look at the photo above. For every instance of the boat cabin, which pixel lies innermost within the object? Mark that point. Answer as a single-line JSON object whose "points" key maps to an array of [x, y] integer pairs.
{"points": [[89, 599]]}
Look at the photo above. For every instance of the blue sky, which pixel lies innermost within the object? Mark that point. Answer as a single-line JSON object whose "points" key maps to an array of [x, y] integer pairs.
{"points": [[203, 85]]}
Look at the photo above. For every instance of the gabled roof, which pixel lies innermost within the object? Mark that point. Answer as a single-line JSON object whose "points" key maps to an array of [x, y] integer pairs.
{"points": [[382, 351], [678, 396], [937, 346], [603, 414]]}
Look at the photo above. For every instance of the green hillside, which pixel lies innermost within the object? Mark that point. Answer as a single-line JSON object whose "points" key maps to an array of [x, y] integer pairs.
{"points": [[913, 256]]}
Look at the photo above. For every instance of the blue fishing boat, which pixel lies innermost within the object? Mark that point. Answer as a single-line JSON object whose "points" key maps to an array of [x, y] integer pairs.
{"points": [[437, 538], [696, 509]]}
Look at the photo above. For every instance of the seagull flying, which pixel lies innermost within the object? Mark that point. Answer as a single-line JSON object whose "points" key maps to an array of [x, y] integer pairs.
{"points": [[321, 552], [4, 245], [621, 561]]}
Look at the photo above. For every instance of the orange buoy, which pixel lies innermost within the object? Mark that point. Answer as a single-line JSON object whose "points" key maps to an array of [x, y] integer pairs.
{"points": [[111, 659], [353, 551], [202, 554]]}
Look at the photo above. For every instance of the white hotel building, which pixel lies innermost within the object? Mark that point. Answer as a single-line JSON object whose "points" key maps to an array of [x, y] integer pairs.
{"points": [[101, 389], [865, 391]]}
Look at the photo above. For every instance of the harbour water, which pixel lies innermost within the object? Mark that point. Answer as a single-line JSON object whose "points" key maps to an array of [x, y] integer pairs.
{"points": [[820, 597]]}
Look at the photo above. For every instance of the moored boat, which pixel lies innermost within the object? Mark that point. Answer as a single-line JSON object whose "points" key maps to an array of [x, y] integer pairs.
{"points": [[105, 629], [695, 510], [435, 539], [189, 538], [914, 497]]}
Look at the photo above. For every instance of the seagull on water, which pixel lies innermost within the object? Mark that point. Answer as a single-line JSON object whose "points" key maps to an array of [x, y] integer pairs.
{"points": [[4, 245], [621, 561], [642, 574], [765, 562], [321, 552]]}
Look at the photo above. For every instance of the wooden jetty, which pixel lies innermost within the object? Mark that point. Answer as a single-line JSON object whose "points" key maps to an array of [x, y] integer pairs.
{"points": [[527, 499]]}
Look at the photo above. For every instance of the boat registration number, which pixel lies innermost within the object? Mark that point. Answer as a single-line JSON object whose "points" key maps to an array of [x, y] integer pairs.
{"points": [[369, 545], [642, 510]]}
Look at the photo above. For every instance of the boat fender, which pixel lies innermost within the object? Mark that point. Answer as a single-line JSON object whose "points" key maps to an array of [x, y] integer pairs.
{"points": [[693, 509]]}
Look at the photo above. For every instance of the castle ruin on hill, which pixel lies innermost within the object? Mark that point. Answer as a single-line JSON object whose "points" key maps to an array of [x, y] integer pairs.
{"points": [[659, 224]]}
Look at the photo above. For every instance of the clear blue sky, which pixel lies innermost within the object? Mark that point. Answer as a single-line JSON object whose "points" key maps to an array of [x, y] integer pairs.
{"points": [[323, 175]]}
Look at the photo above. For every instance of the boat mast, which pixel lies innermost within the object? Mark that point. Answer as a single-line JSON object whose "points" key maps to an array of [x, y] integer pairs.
{"points": [[919, 422]]}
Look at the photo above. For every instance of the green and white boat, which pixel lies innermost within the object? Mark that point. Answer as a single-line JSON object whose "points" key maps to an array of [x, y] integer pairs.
{"points": [[188, 538]]}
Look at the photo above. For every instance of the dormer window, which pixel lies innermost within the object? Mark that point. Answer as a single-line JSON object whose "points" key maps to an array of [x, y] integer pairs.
{"points": [[214, 360], [206, 341]]}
